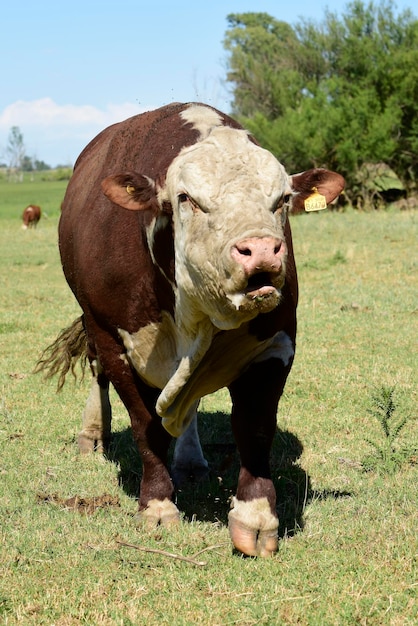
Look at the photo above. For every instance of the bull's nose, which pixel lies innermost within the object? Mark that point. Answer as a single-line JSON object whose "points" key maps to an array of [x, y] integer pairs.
{"points": [[259, 254]]}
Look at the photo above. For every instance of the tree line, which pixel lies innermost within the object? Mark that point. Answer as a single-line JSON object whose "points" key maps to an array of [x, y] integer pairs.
{"points": [[339, 93], [16, 157]]}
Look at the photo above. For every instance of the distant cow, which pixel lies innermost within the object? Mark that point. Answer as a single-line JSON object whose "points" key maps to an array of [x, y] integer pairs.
{"points": [[174, 237], [31, 216]]}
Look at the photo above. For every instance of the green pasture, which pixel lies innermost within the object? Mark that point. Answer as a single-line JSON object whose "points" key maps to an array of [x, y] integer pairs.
{"points": [[71, 552], [15, 197]]}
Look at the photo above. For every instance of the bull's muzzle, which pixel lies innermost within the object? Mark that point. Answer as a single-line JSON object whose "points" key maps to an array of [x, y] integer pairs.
{"points": [[263, 262], [260, 254]]}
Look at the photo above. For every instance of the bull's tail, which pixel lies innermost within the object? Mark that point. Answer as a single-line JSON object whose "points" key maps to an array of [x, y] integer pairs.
{"points": [[63, 354]]}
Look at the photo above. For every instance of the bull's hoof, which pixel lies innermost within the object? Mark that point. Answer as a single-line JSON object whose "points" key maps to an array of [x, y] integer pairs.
{"points": [[253, 527], [92, 442], [159, 513], [191, 473]]}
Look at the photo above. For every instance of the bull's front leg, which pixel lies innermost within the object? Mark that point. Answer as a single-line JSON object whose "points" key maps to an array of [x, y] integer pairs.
{"points": [[156, 494], [253, 521], [156, 506]]}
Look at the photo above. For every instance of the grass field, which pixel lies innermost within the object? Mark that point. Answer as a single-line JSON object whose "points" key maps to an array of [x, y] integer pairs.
{"points": [[349, 537]]}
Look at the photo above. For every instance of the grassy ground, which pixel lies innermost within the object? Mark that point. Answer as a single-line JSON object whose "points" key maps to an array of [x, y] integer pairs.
{"points": [[349, 547], [15, 197]]}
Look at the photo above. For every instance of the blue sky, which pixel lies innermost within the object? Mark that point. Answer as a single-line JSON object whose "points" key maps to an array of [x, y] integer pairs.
{"points": [[69, 69]]}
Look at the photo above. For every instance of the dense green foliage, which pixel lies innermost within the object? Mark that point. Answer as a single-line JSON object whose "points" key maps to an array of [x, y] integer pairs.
{"points": [[338, 93]]}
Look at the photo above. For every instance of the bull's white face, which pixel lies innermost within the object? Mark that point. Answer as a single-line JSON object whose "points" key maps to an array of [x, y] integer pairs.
{"points": [[228, 196]]}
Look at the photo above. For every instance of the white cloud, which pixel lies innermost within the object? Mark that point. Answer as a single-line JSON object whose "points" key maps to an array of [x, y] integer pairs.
{"points": [[46, 112], [57, 133]]}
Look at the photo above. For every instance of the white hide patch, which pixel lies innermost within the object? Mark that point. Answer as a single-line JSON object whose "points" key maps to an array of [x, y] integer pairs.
{"points": [[153, 351], [165, 356], [202, 118], [254, 514], [281, 347], [97, 412], [187, 368], [162, 512]]}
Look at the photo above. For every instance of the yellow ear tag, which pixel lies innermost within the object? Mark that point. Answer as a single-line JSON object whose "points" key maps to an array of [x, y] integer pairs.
{"points": [[130, 189], [316, 201]]}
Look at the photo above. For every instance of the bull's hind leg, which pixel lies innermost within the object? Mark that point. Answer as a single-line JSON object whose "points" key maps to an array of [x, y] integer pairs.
{"points": [[253, 520], [189, 464], [97, 415]]}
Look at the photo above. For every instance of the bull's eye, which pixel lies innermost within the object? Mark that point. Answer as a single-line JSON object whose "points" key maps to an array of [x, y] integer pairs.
{"points": [[184, 197], [282, 202]]}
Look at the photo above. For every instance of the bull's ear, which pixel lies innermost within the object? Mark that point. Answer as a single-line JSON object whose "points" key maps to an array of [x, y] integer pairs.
{"points": [[130, 190], [315, 189]]}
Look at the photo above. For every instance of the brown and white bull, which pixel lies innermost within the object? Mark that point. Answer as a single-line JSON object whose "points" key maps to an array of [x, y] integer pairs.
{"points": [[31, 216], [174, 237]]}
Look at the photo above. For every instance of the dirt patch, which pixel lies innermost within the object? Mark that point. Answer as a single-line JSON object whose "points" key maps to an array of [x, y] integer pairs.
{"points": [[85, 506]]}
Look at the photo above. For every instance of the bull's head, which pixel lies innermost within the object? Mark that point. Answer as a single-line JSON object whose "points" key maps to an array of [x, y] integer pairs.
{"points": [[229, 200]]}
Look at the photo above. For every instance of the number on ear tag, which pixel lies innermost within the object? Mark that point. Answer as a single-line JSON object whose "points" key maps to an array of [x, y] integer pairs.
{"points": [[315, 202]]}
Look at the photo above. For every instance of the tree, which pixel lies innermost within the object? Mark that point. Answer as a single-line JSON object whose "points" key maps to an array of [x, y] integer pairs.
{"points": [[335, 94], [15, 149], [27, 164], [41, 166], [262, 64]]}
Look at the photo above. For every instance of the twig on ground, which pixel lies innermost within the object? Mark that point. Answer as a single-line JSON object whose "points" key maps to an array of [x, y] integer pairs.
{"points": [[162, 553], [219, 545]]}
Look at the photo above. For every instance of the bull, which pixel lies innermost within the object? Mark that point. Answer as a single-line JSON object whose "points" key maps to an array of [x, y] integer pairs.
{"points": [[175, 240], [31, 216]]}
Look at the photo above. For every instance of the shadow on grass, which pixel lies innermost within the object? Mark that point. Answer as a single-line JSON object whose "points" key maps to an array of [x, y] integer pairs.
{"points": [[209, 499]]}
